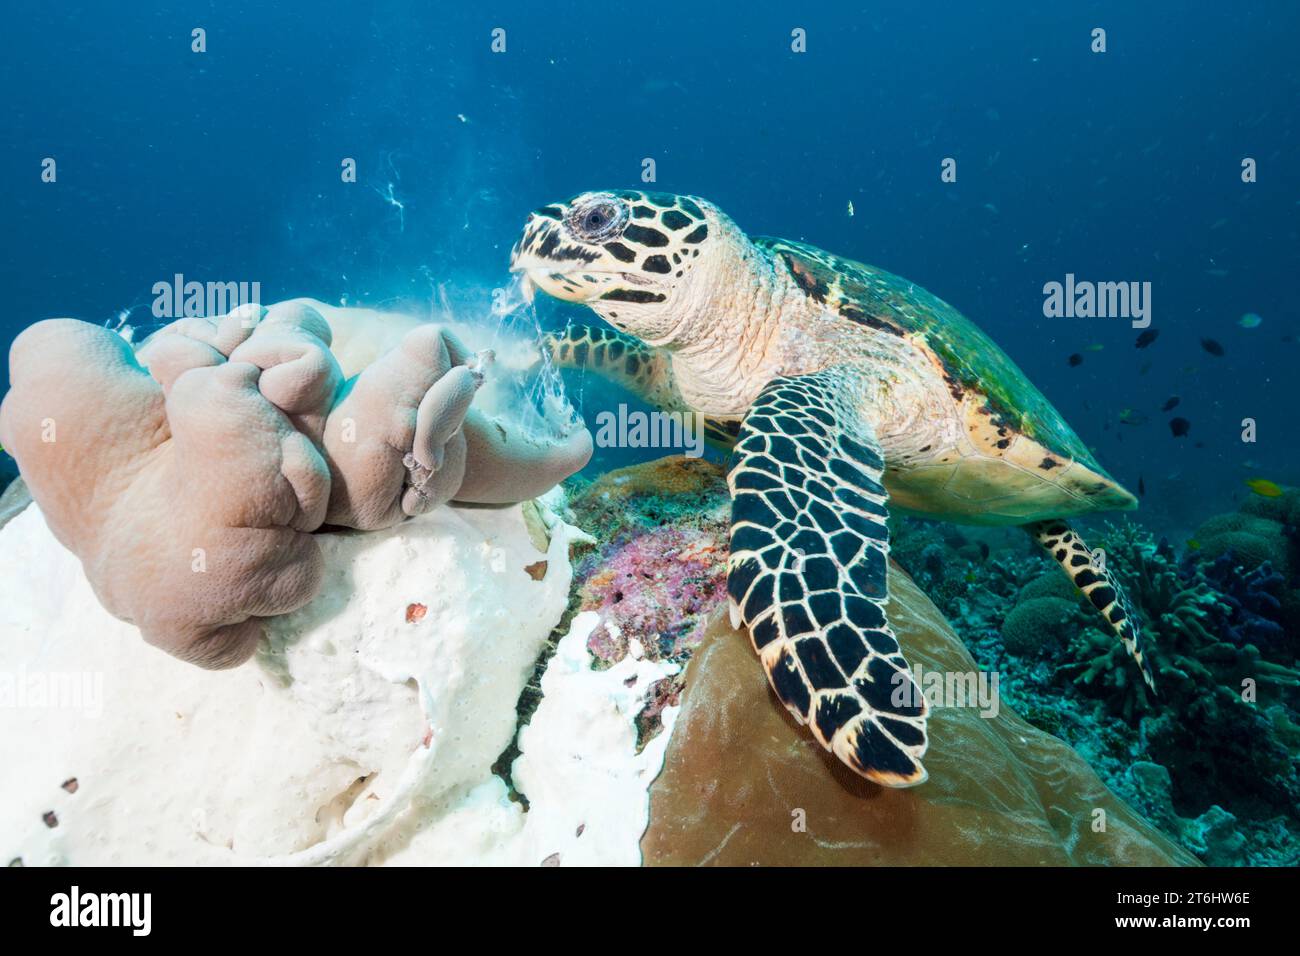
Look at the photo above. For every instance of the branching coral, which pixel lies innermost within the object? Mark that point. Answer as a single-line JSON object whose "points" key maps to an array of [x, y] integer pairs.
{"points": [[1202, 618], [1216, 689], [189, 489], [1196, 635]]}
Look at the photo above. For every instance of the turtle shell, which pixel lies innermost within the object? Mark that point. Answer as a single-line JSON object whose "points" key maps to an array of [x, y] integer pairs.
{"points": [[971, 361]]}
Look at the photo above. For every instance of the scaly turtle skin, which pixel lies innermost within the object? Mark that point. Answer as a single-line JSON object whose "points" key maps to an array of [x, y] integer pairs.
{"points": [[844, 389]]}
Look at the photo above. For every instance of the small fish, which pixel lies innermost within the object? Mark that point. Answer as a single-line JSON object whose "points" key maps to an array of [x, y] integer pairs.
{"points": [[1251, 320], [1219, 273], [1076, 360], [984, 550], [1264, 488], [1146, 338], [1142, 487], [1171, 403], [1213, 347], [1179, 426], [1193, 544], [850, 207], [1094, 348], [1131, 416]]}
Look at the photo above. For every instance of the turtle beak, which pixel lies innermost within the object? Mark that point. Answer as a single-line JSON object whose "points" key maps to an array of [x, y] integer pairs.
{"points": [[555, 278], [527, 285]]}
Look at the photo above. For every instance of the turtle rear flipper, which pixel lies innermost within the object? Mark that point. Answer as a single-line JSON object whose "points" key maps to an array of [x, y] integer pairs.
{"points": [[808, 575], [1097, 584]]}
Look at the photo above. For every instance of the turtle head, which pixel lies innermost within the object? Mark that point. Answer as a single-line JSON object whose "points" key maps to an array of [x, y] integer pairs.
{"points": [[641, 260]]}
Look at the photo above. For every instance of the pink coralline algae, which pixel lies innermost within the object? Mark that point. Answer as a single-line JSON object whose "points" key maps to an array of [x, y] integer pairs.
{"points": [[659, 575], [659, 589]]}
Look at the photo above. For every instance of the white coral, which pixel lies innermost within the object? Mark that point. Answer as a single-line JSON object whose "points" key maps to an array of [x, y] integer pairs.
{"points": [[353, 736]]}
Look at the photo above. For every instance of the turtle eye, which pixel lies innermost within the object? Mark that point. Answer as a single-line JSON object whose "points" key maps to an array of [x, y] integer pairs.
{"points": [[598, 221]]}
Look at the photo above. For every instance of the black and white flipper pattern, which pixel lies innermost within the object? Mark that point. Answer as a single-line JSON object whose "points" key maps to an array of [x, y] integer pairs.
{"points": [[808, 574], [1097, 584]]}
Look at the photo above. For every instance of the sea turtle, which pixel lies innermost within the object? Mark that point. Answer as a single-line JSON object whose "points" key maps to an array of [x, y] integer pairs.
{"points": [[844, 390]]}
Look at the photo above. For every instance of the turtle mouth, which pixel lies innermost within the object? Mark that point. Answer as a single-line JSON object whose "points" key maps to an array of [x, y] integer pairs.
{"points": [[572, 285]]}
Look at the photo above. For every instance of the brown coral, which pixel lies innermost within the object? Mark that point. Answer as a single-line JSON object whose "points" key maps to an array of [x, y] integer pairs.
{"points": [[740, 787]]}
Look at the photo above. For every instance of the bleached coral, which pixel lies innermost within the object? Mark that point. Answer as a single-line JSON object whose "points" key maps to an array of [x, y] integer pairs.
{"points": [[365, 732]]}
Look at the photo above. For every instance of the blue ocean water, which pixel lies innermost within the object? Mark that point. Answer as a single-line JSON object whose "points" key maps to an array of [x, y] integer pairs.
{"points": [[1117, 166]]}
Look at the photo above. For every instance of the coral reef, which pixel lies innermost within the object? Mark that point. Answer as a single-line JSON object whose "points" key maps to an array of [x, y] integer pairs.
{"points": [[1214, 836], [742, 785], [1283, 509], [1222, 727], [653, 587], [634, 666], [179, 532], [1250, 539], [651, 576], [660, 570], [1032, 623], [190, 489]]}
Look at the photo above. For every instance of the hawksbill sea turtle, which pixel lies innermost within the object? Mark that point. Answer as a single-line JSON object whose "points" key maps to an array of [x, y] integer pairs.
{"points": [[844, 390]]}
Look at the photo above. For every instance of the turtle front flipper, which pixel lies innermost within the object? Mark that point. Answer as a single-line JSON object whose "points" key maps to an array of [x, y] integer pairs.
{"points": [[808, 575], [1103, 592], [644, 371]]}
